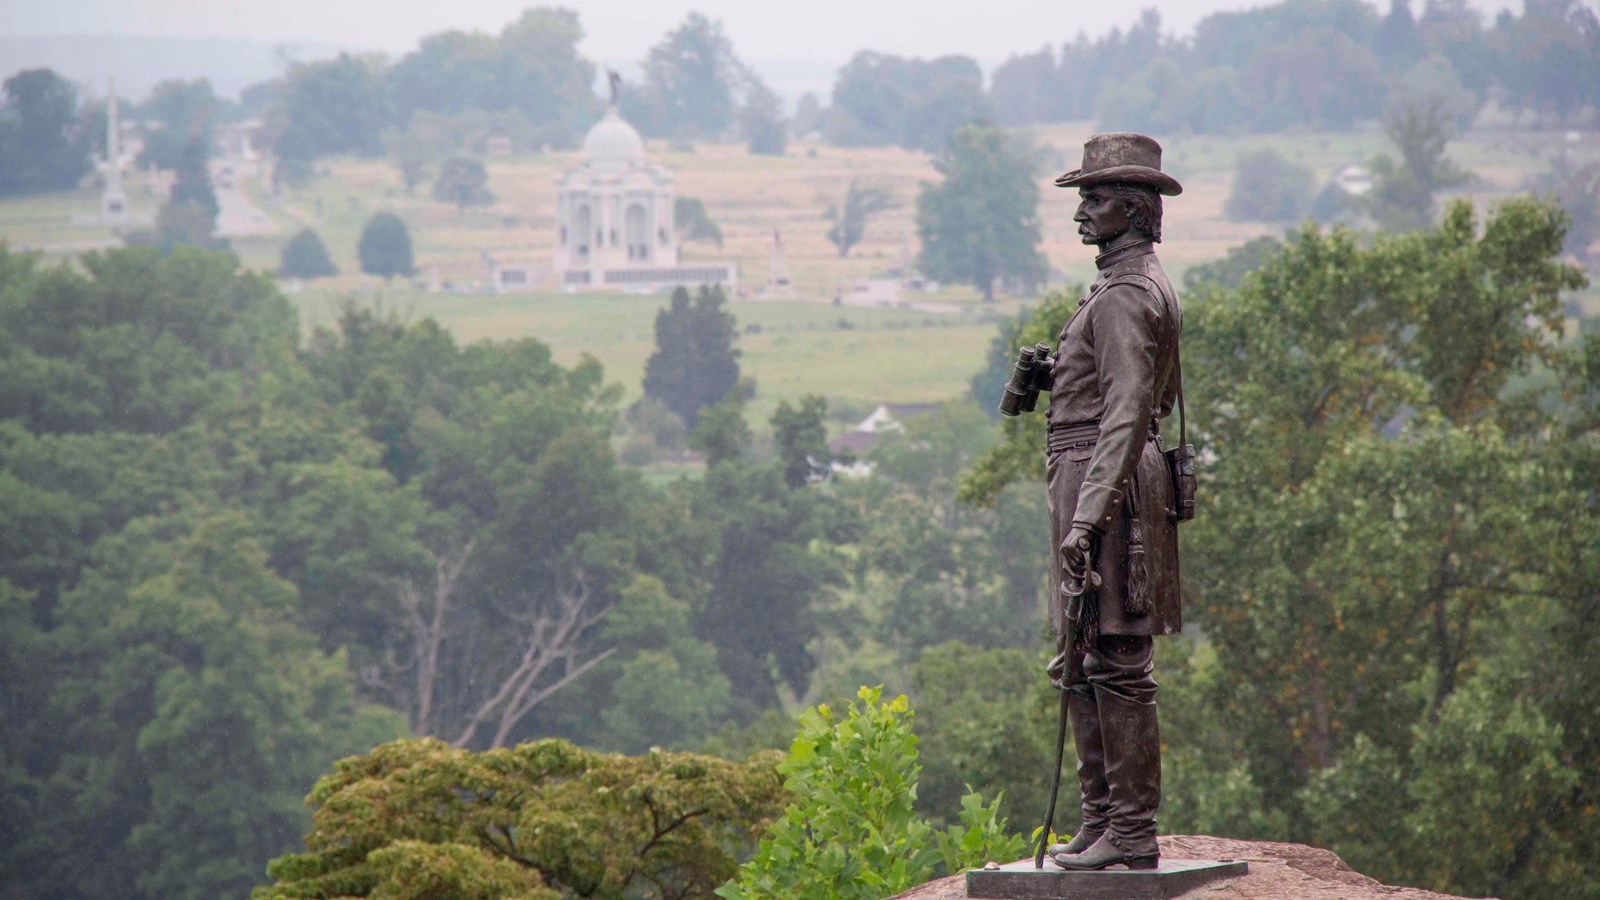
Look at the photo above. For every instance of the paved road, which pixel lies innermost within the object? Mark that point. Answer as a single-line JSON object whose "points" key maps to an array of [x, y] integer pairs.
{"points": [[236, 215]]}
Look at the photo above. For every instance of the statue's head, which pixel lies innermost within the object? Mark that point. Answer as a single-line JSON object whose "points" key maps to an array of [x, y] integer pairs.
{"points": [[1121, 183], [1108, 211]]}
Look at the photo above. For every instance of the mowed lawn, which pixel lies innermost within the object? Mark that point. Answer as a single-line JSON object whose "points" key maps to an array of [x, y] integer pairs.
{"points": [[856, 357]]}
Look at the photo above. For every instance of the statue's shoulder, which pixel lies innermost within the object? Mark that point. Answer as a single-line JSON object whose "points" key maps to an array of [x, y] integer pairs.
{"points": [[1148, 275]]}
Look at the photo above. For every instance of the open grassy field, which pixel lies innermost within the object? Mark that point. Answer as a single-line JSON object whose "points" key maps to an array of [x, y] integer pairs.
{"points": [[55, 222], [855, 356]]}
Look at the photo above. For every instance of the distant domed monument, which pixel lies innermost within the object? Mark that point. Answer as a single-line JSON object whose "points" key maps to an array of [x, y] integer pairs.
{"points": [[614, 215], [614, 209]]}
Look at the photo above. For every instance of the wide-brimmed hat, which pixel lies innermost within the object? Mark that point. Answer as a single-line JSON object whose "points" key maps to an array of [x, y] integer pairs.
{"points": [[1121, 156]]}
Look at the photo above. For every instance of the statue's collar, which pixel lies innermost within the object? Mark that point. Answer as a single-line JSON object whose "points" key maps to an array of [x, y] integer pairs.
{"points": [[1122, 254]]}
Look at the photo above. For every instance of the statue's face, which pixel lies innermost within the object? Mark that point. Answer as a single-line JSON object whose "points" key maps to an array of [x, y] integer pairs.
{"points": [[1102, 217]]}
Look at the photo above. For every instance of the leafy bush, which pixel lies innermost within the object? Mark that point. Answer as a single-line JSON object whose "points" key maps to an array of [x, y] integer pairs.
{"points": [[419, 818], [850, 831]]}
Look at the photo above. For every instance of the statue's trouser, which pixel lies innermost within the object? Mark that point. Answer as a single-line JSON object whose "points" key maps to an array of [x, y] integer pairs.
{"points": [[1112, 698]]}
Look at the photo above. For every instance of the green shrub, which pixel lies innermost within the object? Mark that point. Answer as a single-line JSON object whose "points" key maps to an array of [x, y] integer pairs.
{"points": [[419, 818], [850, 830]]}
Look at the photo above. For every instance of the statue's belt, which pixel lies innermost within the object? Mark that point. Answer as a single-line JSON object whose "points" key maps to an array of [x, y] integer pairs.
{"points": [[1080, 436]]}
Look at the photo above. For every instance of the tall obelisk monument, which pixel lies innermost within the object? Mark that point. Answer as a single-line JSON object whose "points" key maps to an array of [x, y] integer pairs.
{"points": [[113, 200]]}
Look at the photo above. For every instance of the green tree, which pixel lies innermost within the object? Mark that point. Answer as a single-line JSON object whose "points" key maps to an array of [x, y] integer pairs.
{"points": [[691, 78], [1547, 56], [533, 66], [335, 106], [464, 182], [669, 692], [1269, 187], [1397, 41], [134, 342], [234, 707], [544, 76], [524, 524], [1020, 89], [767, 570], [1576, 186], [1434, 80], [449, 72], [385, 248], [807, 115], [721, 434], [689, 217], [41, 146], [184, 112], [851, 830], [981, 224], [416, 149], [190, 214], [802, 439], [1230, 271], [1403, 192], [849, 220], [650, 431], [761, 119], [544, 820], [305, 256], [695, 362], [938, 566], [986, 721], [879, 99]]}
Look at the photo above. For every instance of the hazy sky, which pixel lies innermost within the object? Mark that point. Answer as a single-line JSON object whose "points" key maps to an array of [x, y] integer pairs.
{"points": [[816, 31]]}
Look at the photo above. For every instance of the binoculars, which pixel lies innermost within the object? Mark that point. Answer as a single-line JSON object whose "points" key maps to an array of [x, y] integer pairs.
{"points": [[1031, 375]]}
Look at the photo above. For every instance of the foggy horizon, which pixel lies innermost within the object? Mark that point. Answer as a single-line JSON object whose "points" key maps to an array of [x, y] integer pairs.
{"points": [[624, 30]]}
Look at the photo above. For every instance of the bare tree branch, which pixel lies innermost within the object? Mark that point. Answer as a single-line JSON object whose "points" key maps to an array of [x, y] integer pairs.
{"points": [[552, 642]]}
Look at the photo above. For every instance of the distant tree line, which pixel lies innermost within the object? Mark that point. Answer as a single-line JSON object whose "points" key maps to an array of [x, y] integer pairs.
{"points": [[1313, 63], [532, 84], [1318, 63]]}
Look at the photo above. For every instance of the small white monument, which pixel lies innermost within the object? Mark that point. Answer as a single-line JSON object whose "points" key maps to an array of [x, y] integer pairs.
{"points": [[779, 287]]}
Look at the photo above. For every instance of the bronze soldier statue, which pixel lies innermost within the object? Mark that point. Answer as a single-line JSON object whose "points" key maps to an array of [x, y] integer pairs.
{"points": [[1112, 501]]}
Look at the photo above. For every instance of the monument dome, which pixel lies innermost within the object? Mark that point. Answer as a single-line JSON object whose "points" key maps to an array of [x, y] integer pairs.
{"points": [[612, 142]]}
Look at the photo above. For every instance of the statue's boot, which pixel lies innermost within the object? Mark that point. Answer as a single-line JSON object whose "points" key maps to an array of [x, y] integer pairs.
{"points": [[1125, 698], [1103, 854], [1091, 771]]}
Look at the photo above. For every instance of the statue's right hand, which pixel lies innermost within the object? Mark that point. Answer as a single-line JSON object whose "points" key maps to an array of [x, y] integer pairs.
{"points": [[1075, 550]]}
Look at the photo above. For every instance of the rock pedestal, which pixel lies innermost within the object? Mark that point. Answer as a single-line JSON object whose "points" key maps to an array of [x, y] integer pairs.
{"points": [[1173, 877], [1276, 872]]}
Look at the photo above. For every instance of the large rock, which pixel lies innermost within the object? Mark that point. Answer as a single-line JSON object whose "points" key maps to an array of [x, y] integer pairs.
{"points": [[1277, 872]]}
